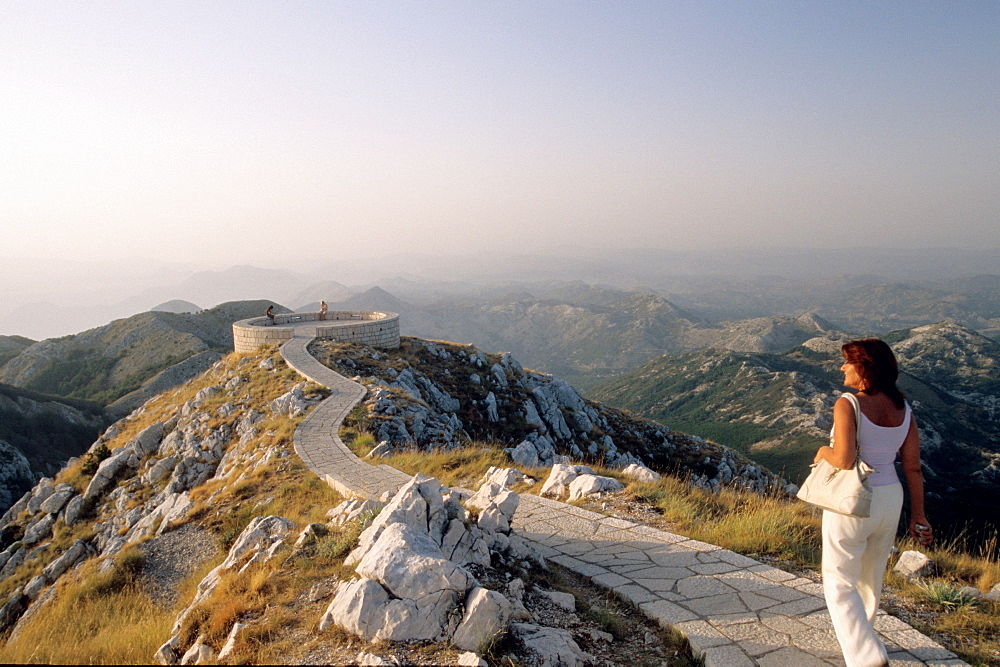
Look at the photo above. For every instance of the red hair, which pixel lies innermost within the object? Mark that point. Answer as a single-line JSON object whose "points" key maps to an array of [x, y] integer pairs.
{"points": [[876, 364]]}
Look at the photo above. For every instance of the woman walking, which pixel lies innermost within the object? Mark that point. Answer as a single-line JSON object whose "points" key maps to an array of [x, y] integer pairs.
{"points": [[855, 551]]}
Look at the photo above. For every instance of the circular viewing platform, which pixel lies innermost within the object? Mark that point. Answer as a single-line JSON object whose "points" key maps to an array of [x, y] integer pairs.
{"points": [[359, 326]]}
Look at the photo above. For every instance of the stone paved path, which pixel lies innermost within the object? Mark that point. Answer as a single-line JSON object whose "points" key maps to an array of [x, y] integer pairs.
{"points": [[735, 610]]}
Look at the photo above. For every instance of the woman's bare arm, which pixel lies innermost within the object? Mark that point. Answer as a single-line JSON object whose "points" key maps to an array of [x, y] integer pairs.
{"points": [[909, 453], [845, 433]]}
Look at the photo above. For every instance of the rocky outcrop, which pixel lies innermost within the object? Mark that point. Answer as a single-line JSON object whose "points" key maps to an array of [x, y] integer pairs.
{"points": [[166, 379], [16, 476], [256, 544], [413, 563], [440, 395], [142, 488]]}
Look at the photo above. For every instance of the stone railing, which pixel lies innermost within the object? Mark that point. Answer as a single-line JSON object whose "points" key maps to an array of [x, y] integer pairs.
{"points": [[361, 326]]}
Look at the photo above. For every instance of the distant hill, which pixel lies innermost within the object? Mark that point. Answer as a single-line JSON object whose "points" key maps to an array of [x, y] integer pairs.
{"points": [[108, 362], [850, 302], [176, 306], [329, 291], [582, 340], [775, 408], [588, 334], [11, 346]]}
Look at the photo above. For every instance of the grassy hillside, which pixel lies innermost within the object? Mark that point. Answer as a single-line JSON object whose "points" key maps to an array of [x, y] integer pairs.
{"points": [[775, 408], [108, 362], [762, 405]]}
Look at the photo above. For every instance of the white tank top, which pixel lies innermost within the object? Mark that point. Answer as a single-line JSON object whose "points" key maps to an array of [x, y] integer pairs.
{"points": [[879, 445]]}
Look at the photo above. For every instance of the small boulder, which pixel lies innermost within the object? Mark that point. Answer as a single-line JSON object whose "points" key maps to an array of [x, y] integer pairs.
{"points": [[504, 477], [588, 485], [524, 455], [487, 614], [470, 659], [59, 498], [914, 565], [641, 473], [34, 588], [562, 600], [560, 478], [552, 645]]}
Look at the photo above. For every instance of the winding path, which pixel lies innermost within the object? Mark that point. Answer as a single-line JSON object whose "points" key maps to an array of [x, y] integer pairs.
{"points": [[735, 610]]}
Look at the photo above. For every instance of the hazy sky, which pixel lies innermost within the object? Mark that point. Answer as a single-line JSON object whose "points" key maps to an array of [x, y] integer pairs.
{"points": [[224, 132]]}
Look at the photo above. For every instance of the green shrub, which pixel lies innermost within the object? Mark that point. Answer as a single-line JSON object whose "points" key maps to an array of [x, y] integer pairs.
{"points": [[92, 461]]}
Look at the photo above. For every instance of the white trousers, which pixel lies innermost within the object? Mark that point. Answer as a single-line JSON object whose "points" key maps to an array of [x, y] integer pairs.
{"points": [[855, 553]]}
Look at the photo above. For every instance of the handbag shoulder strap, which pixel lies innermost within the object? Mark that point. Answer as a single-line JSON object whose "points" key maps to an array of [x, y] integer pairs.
{"points": [[857, 417]]}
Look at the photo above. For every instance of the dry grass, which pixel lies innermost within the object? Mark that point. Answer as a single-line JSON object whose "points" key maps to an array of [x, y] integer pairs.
{"points": [[743, 522], [96, 618], [786, 530], [457, 467], [107, 618]]}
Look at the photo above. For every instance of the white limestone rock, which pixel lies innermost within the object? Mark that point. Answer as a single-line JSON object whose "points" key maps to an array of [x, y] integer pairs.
{"points": [[108, 469], [167, 653], [230, 644], [148, 439], [358, 607], [641, 473], [554, 647], [588, 485], [292, 403], [410, 566], [548, 409], [160, 469], [487, 615], [381, 450], [258, 536], [914, 565], [366, 659], [74, 510], [15, 477], [531, 415], [561, 477], [76, 552], [562, 600], [320, 591], [419, 504], [354, 509], [470, 659], [515, 594], [491, 408], [34, 588], [491, 494], [310, 534], [40, 493], [504, 477], [524, 454], [200, 653], [55, 502], [38, 530]]}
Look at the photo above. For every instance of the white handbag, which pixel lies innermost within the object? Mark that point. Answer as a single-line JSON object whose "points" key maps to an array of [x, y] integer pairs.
{"points": [[845, 491]]}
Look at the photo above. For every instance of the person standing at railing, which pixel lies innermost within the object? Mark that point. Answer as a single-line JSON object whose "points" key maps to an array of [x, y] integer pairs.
{"points": [[322, 310], [270, 313]]}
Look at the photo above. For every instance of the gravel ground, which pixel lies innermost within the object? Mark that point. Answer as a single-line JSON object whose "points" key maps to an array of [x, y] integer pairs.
{"points": [[173, 556]]}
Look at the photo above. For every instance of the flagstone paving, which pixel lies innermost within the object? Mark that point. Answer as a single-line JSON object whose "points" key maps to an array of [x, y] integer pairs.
{"points": [[733, 609]]}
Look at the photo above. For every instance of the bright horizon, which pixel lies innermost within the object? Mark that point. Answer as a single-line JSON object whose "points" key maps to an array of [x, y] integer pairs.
{"points": [[219, 133]]}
